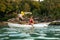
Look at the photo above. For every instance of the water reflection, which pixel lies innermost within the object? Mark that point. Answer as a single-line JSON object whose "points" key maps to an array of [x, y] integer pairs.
{"points": [[50, 33]]}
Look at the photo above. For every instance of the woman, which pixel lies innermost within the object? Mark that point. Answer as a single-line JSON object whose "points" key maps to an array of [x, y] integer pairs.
{"points": [[19, 17], [31, 20]]}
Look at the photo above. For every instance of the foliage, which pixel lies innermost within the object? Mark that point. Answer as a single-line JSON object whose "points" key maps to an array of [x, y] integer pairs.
{"points": [[46, 8]]}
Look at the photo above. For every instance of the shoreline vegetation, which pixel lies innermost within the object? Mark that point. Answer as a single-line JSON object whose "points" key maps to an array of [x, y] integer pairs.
{"points": [[45, 11]]}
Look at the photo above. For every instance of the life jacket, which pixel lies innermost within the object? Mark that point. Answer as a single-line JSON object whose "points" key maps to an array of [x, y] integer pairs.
{"points": [[31, 21]]}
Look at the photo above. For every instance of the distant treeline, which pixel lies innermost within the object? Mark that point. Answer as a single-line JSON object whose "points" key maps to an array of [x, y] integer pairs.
{"points": [[47, 9]]}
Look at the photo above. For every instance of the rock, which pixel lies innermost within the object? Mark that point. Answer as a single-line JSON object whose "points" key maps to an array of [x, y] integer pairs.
{"points": [[3, 23], [55, 23], [36, 22]]}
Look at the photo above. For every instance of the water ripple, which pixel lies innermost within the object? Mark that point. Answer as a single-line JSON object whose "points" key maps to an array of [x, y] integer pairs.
{"points": [[49, 33]]}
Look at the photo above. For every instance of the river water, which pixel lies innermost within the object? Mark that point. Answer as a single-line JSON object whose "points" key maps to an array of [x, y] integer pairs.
{"points": [[52, 32]]}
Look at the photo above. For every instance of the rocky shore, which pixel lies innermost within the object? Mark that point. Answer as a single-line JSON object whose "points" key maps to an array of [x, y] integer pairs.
{"points": [[4, 23], [55, 23]]}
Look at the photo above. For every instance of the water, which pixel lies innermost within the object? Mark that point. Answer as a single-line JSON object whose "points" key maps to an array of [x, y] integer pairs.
{"points": [[52, 32]]}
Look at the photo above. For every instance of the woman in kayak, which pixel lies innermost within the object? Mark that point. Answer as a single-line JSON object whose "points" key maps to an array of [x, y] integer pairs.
{"points": [[31, 20]]}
